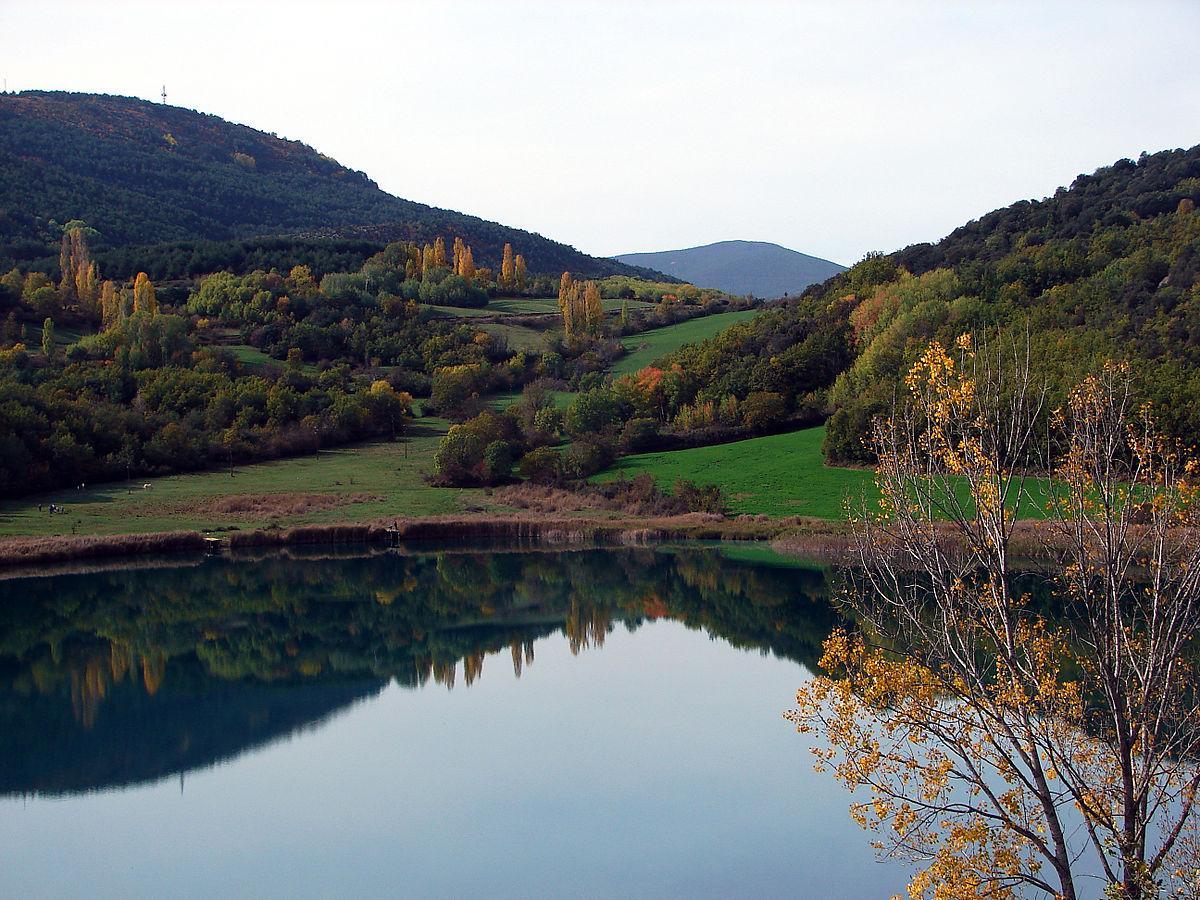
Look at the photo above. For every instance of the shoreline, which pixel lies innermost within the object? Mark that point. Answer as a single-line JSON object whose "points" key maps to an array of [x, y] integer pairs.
{"points": [[794, 536], [811, 538]]}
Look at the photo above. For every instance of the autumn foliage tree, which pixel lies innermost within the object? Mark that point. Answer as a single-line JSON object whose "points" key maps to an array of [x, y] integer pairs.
{"points": [[79, 285], [1004, 750], [508, 269], [581, 307], [144, 297]]}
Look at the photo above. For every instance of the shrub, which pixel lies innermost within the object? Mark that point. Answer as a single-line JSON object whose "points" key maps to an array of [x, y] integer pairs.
{"points": [[761, 409], [459, 457], [638, 434], [587, 456], [701, 497], [541, 466], [498, 459]]}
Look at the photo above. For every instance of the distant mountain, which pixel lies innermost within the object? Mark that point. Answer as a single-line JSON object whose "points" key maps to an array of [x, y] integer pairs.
{"points": [[740, 267], [148, 173]]}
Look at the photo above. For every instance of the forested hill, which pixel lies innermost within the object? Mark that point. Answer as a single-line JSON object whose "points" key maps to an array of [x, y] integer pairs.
{"points": [[1108, 268], [148, 173], [740, 267]]}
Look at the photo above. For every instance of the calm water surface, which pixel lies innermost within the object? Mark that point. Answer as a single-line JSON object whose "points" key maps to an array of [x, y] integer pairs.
{"points": [[597, 723]]}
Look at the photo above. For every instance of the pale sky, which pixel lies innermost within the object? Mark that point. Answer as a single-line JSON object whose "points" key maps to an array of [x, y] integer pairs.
{"points": [[832, 128]]}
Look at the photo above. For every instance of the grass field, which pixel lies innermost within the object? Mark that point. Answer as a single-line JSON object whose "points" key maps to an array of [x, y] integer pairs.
{"points": [[648, 346], [392, 479], [780, 475], [467, 311], [562, 399], [518, 336], [525, 306]]}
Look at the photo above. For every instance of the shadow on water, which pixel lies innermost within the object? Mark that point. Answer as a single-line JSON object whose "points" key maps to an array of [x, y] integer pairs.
{"points": [[116, 678]]}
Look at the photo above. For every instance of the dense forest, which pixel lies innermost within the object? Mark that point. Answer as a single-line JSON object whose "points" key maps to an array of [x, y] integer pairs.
{"points": [[147, 173], [1108, 268]]}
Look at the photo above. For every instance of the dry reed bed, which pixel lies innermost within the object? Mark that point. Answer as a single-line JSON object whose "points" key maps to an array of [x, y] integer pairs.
{"points": [[23, 551]]}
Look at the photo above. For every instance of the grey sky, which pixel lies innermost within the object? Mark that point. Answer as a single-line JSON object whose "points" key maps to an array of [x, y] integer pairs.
{"points": [[832, 128]]}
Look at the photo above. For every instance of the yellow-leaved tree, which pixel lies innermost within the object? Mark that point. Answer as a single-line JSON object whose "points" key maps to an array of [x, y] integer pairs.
{"points": [[1005, 748], [508, 269], [144, 298]]}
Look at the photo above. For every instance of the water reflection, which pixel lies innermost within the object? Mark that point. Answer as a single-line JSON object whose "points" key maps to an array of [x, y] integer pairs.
{"points": [[116, 678]]}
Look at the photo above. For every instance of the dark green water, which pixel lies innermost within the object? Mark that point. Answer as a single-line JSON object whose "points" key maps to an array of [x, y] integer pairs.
{"points": [[596, 723]]}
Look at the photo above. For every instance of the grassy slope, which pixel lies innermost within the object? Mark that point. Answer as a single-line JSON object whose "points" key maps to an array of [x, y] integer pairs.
{"points": [[378, 468], [648, 346], [780, 475]]}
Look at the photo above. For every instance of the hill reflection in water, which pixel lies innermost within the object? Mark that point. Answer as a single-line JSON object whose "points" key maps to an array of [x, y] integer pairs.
{"points": [[118, 678]]}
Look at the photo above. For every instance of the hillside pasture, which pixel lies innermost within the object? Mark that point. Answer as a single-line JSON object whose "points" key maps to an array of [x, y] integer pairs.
{"points": [[779, 475], [649, 346]]}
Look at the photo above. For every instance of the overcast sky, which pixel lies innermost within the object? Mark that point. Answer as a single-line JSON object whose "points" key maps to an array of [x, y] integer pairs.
{"points": [[832, 128]]}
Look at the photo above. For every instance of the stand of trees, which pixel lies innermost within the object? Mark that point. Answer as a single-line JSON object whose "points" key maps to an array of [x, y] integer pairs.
{"points": [[1005, 750]]}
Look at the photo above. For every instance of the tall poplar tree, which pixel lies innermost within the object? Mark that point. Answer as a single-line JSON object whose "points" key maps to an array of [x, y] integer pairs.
{"points": [[508, 268], [144, 297]]}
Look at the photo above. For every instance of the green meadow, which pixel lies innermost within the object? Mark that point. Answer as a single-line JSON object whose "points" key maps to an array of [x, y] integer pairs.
{"points": [[779, 475], [354, 483], [648, 346]]}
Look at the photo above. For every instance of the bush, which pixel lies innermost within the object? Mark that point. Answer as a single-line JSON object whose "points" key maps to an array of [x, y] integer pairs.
{"points": [[498, 459], [761, 409], [701, 497], [459, 458], [587, 456], [548, 420], [592, 412], [541, 466], [638, 434]]}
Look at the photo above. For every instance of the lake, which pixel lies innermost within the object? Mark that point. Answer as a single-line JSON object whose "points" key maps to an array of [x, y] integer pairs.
{"points": [[597, 723]]}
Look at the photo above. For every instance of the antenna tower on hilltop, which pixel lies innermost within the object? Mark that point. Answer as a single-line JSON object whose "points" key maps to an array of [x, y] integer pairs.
{"points": [[164, 94]]}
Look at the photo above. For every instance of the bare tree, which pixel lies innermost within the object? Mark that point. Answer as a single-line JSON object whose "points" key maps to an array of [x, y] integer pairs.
{"points": [[1006, 751]]}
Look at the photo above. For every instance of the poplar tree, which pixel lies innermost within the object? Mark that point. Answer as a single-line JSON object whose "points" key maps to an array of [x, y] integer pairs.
{"points": [[467, 264], [564, 288], [519, 267], [144, 298], [78, 284], [593, 309], [508, 268], [427, 260], [110, 304], [459, 247], [48, 339], [439, 253]]}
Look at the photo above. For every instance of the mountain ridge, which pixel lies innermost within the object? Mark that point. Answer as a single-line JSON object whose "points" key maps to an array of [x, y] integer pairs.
{"points": [[761, 268], [146, 173]]}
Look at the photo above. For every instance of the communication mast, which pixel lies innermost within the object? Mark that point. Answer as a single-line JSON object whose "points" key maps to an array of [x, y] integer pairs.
{"points": [[164, 94]]}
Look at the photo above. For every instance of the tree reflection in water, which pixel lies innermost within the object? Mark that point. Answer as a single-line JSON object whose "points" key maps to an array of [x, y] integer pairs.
{"points": [[120, 677]]}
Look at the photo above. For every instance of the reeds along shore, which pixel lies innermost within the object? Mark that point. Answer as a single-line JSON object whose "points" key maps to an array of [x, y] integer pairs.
{"points": [[521, 529], [801, 537], [23, 551]]}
